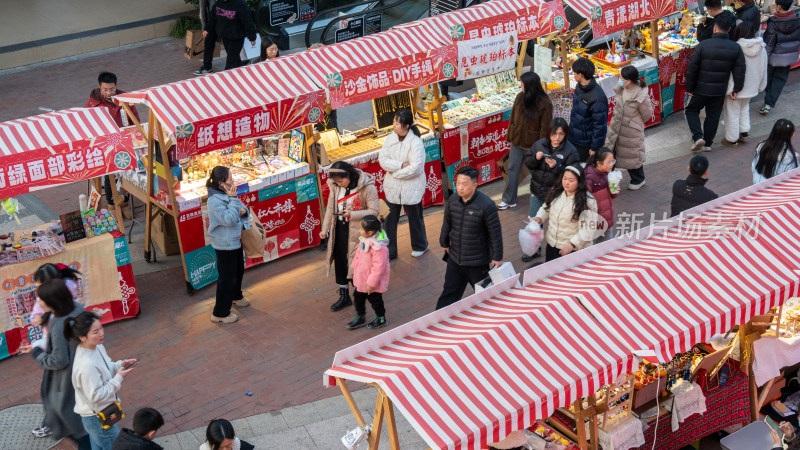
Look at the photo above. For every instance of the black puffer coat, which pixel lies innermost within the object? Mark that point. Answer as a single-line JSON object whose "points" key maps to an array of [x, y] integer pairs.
{"points": [[688, 193], [542, 176], [706, 28], [588, 120], [749, 13], [711, 65], [472, 230], [783, 39]]}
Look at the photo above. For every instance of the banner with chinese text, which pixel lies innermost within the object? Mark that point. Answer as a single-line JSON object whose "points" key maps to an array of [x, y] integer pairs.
{"points": [[486, 56], [623, 14], [530, 23], [224, 131], [480, 144], [65, 163], [350, 87], [109, 293]]}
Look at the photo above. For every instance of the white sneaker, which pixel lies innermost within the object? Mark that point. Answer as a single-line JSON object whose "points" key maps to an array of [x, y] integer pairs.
{"points": [[242, 302], [230, 319], [636, 187], [418, 253], [706, 148], [503, 205], [698, 145]]}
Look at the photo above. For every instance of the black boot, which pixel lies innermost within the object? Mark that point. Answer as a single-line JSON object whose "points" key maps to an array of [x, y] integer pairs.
{"points": [[344, 300]]}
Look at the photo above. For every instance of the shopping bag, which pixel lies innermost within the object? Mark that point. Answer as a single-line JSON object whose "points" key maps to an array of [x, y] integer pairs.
{"points": [[530, 238], [255, 239], [251, 51]]}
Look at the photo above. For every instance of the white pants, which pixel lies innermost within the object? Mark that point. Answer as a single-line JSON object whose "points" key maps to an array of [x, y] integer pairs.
{"points": [[737, 118]]}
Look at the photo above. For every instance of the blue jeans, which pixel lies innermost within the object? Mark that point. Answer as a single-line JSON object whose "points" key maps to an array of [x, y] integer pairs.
{"points": [[536, 203], [102, 439]]}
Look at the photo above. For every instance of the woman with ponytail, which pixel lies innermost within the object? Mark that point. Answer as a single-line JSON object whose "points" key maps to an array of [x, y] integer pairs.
{"points": [[55, 355]]}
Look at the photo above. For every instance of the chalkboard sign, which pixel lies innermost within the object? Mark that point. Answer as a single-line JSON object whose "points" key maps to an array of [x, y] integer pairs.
{"points": [[372, 23], [72, 224], [354, 29], [385, 107]]}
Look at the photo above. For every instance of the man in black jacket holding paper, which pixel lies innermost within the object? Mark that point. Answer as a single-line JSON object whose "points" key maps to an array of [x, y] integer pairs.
{"points": [[710, 67], [231, 21], [471, 237]]}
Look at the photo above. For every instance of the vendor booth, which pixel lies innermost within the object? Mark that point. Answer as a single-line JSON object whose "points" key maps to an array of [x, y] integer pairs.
{"points": [[242, 119], [47, 151], [689, 299]]}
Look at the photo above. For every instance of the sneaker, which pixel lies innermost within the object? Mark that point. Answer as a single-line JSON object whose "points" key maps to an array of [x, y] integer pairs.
{"points": [[230, 319], [358, 322], [241, 303], [503, 205], [418, 253], [636, 186], [728, 143], [41, 432], [706, 148], [698, 145], [379, 322], [743, 137], [765, 110], [202, 71]]}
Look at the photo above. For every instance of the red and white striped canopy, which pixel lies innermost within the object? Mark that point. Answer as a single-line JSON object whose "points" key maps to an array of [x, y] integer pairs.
{"points": [[493, 368], [584, 7], [223, 93], [51, 129]]}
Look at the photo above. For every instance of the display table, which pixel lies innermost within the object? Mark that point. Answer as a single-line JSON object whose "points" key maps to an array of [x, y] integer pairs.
{"points": [[772, 354], [726, 405], [687, 401], [623, 436], [368, 162], [106, 286]]}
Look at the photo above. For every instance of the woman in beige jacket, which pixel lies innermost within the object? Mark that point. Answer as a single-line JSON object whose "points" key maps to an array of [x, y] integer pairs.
{"points": [[353, 195], [626, 130], [571, 215]]}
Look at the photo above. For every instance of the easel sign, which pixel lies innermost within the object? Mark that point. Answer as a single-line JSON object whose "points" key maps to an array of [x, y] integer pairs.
{"points": [[384, 108]]}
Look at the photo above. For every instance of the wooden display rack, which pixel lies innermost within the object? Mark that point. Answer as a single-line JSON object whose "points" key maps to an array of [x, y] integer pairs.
{"points": [[623, 408]]}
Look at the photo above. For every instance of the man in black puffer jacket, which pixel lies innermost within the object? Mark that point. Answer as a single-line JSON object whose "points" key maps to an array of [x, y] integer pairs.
{"points": [[231, 21], [588, 120], [471, 237], [749, 13], [706, 27], [710, 68]]}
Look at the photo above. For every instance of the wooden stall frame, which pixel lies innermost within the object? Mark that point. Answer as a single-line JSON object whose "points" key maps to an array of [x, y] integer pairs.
{"points": [[383, 408]]}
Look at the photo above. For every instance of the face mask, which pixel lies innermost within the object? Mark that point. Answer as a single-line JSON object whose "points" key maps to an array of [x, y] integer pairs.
{"points": [[621, 83]]}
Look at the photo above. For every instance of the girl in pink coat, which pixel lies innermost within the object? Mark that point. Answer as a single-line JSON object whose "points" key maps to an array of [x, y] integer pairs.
{"points": [[370, 273]]}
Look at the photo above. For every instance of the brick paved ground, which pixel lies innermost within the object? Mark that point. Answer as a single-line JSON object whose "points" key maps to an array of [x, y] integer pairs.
{"points": [[193, 370]]}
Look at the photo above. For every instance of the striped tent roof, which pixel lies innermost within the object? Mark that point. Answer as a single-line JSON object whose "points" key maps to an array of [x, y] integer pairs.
{"points": [[490, 369], [584, 7], [222, 93], [51, 129]]}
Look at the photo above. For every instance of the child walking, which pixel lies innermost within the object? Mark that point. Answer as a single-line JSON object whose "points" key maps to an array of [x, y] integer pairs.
{"points": [[370, 273], [597, 170]]}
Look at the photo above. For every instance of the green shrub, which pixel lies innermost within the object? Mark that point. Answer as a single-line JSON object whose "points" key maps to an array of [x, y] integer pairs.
{"points": [[183, 24]]}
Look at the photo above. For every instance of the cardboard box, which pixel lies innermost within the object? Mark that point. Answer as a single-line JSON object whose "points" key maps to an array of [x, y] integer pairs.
{"points": [[195, 45], [164, 234]]}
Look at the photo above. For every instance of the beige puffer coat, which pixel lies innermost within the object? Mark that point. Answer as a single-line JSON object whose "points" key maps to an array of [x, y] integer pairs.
{"points": [[626, 130], [369, 205]]}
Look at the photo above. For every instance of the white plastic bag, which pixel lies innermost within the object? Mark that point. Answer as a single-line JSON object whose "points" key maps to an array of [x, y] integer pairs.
{"points": [[530, 237]]}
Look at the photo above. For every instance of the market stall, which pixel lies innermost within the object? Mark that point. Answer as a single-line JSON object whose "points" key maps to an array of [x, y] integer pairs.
{"points": [[47, 151], [376, 69], [246, 119], [495, 362]]}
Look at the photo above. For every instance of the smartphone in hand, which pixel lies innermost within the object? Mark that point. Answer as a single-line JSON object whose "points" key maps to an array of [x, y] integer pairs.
{"points": [[131, 366]]}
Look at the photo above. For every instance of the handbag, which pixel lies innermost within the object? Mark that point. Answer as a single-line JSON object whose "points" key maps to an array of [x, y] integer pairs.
{"points": [[255, 239]]}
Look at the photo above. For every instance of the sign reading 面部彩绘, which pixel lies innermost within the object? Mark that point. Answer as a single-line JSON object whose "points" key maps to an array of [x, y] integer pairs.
{"points": [[229, 129], [623, 14], [376, 80], [481, 57], [65, 163]]}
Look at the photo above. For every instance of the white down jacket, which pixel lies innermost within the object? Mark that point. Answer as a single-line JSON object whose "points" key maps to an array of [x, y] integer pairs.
{"points": [[403, 185]]}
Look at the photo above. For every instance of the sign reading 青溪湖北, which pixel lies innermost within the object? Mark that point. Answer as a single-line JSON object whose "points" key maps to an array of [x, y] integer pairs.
{"points": [[623, 14], [223, 131], [377, 80]]}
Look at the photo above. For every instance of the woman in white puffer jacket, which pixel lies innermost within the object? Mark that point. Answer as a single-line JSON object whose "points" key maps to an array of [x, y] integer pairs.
{"points": [[403, 159], [737, 111]]}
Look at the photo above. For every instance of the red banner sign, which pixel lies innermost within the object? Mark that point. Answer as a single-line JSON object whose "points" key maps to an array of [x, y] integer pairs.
{"points": [[224, 131], [66, 163], [349, 87], [623, 14], [531, 23]]}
